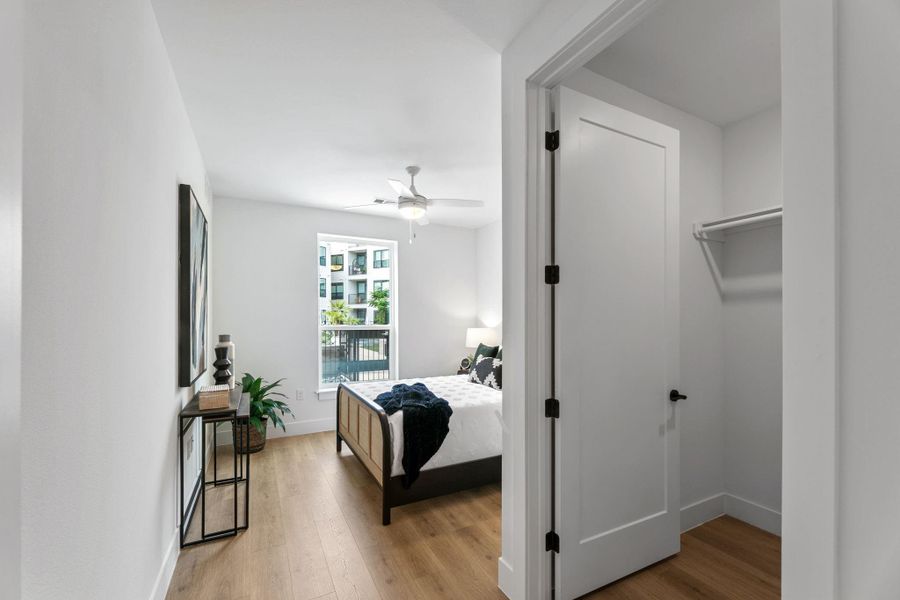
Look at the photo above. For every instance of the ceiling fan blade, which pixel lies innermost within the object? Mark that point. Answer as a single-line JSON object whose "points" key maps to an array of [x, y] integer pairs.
{"points": [[455, 203], [374, 204], [423, 221], [401, 188]]}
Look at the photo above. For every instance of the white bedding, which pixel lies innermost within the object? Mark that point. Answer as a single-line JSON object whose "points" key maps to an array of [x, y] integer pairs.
{"points": [[475, 430]]}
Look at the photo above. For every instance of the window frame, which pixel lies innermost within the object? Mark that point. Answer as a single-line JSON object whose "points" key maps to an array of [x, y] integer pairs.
{"points": [[328, 389]]}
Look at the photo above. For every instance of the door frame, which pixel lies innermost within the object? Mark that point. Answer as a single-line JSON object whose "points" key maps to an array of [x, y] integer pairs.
{"points": [[560, 40]]}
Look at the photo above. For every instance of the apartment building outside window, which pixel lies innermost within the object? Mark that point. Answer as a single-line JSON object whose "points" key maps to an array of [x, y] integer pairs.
{"points": [[358, 264], [357, 327], [381, 259], [359, 294]]}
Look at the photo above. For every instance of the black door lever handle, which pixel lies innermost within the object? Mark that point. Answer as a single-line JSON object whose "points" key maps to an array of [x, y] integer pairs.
{"points": [[675, 396]]}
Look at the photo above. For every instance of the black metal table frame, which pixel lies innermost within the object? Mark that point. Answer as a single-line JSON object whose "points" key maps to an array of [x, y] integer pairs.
{"points": [[240, 474]]}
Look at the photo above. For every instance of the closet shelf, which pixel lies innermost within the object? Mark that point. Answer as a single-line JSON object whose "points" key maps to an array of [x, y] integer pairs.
{"points": [[701, 230]]}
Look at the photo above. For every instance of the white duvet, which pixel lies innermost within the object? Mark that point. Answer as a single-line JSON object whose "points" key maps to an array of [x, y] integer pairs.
{"points": [[475, 430]]}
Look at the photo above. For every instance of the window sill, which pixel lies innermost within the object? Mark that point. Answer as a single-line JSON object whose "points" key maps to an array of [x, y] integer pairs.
{"points": [[327, 393]]}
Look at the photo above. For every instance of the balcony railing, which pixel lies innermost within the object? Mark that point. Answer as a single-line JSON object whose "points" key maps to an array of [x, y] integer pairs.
{"points": [[357, 269], [355, 353], [357, 299]]}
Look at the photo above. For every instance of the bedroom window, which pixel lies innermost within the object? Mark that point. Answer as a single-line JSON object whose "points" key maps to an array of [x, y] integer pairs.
{"points": [[357, 330], [322, 252], [381, 259], [321, 287]]}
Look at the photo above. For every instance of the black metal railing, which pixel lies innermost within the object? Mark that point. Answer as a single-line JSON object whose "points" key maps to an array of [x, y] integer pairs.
{"points": [[357, 298], [357, 269], [355, 353]]}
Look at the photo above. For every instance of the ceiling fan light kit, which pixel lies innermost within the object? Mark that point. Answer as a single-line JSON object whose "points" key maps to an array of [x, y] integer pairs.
{"points": [[412, 209]]}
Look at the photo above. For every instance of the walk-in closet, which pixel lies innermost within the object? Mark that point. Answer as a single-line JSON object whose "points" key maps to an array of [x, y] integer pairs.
{"points": [[693, 93]]}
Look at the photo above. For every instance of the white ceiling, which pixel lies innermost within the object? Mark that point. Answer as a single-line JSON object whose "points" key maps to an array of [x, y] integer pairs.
{"points": [[497, 22], [717, 59], [317, 102]]}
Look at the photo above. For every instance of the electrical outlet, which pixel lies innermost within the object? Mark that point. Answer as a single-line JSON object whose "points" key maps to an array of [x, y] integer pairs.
{"points": [[299, 395]]}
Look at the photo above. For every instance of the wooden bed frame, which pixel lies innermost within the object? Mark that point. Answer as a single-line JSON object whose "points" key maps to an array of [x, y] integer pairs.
{"points": [[364, 426]]}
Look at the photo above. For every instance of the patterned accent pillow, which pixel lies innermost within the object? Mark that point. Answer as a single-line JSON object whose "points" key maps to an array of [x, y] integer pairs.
{"points": [[483, 350], [488, 371]]}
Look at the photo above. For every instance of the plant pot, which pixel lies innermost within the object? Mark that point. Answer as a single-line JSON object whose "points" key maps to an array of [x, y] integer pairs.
{"points": [[256, 441]]}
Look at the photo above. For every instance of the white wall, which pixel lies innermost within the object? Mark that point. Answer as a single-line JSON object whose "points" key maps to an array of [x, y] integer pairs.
{"points": [[106, 143], [869, 125], [489, 275], [751, 298], [752, 163], [265, 267], [702, 365], [11, 28]]}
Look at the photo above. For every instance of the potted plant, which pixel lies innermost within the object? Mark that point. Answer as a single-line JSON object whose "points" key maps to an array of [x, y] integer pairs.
{"points": [[264, 408]]}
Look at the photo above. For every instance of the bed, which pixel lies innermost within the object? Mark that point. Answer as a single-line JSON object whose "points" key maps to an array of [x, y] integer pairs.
{"points": [[469, 456]]}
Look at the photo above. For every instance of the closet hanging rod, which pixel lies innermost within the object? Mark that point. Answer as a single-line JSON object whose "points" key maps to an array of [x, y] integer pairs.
{"points": [[748, 218]]}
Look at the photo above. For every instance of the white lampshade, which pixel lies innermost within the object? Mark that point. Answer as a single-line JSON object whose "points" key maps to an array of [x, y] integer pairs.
{"points": [[480, 335]]}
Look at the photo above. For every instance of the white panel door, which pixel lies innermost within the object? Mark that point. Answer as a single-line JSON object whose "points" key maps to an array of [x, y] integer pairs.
{"points": [[616, 341]]}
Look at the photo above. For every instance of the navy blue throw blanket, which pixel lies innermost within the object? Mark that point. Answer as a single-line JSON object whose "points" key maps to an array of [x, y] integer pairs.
{"points": [[426, 422]]}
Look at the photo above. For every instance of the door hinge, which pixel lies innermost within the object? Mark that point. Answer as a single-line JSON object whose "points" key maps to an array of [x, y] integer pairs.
{"points": [[552, 542], [551, 274], [551, 140], [551, 408]]}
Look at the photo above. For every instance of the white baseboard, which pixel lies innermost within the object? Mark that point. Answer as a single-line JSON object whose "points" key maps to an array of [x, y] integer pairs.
{"points": [[504, 577], [756, 514], [699, 512], [223, 437], [164, 578]]}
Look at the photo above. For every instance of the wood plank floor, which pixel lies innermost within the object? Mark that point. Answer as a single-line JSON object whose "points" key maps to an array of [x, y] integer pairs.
{"points": [[315, 533]]}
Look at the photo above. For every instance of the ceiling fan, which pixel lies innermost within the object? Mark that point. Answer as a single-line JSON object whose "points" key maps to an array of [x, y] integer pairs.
{"points": [[412, 205]]}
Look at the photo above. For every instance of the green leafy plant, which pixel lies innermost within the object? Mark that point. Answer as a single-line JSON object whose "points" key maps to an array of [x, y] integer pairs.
{"points": [[339, 314], [263, 405], [380, 300]]}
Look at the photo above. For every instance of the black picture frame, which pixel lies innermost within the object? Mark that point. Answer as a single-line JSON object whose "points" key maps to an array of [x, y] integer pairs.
{"points": [[193, 287]]}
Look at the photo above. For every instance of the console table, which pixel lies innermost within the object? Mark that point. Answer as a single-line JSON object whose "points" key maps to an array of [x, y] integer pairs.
{"points": [[237, 414]]}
